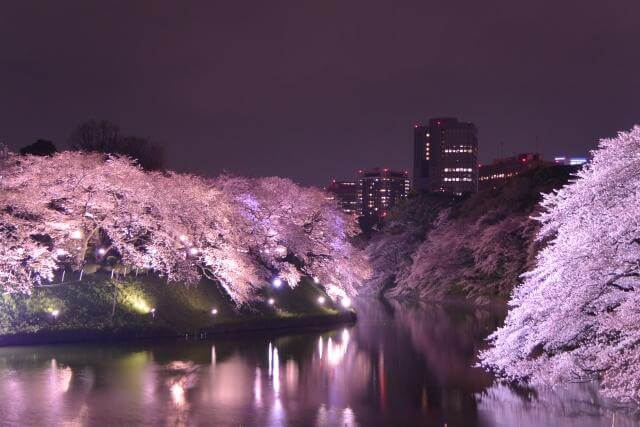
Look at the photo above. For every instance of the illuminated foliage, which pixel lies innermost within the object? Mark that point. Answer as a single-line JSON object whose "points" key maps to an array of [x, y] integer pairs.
{"points": [[74, 209], [575, 316]]}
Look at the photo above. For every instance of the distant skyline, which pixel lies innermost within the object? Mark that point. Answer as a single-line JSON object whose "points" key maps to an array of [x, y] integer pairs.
{"points": [[315, 90]]}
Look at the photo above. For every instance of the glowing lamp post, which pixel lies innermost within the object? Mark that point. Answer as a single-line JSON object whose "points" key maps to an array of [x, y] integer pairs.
{"points": [[321, 300], [277, 282], [316, 280], [214, 311], [346, 302], [102, 251], [271, 301], [153, 313], [55, 313]]}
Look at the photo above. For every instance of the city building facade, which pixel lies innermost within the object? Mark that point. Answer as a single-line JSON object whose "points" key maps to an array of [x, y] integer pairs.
{"points": [[346, 194], [569, 161], [380, 190], [493, 175], [445, 157]]}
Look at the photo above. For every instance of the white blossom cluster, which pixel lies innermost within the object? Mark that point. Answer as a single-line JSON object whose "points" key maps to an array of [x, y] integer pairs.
{"points": [[575, 317], [62, 212]]}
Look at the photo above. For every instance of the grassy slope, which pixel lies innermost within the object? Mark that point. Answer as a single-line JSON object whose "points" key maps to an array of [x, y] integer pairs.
{"points": [[86, 308]]}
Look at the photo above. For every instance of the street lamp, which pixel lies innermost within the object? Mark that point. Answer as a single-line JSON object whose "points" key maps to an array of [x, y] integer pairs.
{"points": [[277, 282], [153, 313], [214, 311], [321, 300], [346, 302], [271, 301]]}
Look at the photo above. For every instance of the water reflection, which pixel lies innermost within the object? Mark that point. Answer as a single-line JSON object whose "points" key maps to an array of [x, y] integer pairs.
{"points": [[400, 365]]}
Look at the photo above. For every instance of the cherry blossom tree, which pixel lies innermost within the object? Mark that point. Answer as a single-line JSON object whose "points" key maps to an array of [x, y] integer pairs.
{"points": [[294, 231], [62, 212], [575, 316]]}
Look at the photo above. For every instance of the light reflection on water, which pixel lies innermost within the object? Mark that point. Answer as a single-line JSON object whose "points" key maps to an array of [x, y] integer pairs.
{"points": [[400, 365]]}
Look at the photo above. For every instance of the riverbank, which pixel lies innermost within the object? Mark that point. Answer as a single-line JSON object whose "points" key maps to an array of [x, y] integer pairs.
{"points": [[435, 247], [100, 309], [401, 364]]}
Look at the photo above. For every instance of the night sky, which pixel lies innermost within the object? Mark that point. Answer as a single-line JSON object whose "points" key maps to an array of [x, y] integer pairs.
{"points": [[317, 89]]}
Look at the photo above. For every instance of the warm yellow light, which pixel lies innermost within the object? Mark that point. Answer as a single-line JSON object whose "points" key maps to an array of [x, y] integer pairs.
{"points": [[141, 306]]}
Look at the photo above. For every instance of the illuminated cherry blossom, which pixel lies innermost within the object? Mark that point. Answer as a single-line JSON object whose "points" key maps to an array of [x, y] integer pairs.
{"points": [[62, 212], [575, 316]]}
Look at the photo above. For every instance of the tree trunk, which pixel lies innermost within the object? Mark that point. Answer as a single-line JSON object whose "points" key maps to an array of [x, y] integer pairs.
{"points": [[115, 300]]}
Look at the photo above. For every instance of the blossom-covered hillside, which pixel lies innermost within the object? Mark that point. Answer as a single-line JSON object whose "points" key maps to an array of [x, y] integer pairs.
{"points": [[74, 212], [435, 247]]}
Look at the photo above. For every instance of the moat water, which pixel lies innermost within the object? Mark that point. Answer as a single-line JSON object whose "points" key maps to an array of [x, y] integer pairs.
{"points": [[401, 364]]}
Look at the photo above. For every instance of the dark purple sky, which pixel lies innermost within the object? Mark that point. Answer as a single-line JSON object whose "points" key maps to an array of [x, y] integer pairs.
{"points": [[316, 89]]}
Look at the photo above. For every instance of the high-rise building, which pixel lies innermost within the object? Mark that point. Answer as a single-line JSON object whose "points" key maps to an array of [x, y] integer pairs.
{"points": [[380, 190], [500, 170], [445, 156], [345, 193]]}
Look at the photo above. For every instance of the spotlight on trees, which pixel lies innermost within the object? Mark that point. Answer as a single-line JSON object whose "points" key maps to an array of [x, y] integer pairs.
{"points": [[316, 280]]}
